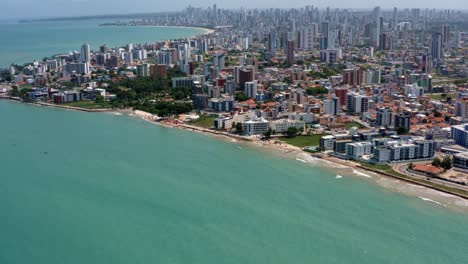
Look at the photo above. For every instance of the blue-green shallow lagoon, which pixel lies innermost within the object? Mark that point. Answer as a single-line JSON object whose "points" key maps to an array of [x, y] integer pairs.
{"points": [[25, 42], [100, 188]]}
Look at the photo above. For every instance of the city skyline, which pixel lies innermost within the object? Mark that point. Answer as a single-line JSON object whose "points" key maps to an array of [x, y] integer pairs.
{"points": [[55, 8]]}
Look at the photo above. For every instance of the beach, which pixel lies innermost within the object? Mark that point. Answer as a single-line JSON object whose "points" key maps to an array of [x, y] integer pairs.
{"points": [[341, 167], [279, 148]]}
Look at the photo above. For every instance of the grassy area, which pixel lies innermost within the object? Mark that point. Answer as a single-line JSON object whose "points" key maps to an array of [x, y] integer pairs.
{"points": [[354, 124], [90, 104], [440, 96], [205, 121], [303, 141], [384, 167]]}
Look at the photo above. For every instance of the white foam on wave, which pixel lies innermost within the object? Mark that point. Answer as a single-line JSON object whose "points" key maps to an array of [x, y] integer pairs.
{"points": [[319, 162], [118, 114], [359, 173], [461, 202], [239, 147], [339, 176], [429, 200], [301, 160]]}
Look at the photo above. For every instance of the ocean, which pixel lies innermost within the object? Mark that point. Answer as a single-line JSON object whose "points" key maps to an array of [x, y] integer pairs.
{"points": [[107, 188], [25, 42]]}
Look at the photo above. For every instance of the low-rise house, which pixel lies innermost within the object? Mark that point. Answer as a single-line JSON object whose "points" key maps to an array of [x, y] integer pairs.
{"points": [[327, 142], [256, 126], [223, 123], [460, 162], [358, 149], [282, 125]]}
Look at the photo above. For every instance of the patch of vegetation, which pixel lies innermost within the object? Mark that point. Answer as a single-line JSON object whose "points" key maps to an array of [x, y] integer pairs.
{"points": [[441, 96], [303, 141], [163, 108], [316, 91], [90, 104], [205, 121], [350, 125]]}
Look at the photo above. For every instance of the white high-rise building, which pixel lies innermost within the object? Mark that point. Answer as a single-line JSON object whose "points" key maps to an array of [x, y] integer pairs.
{"points": [[376, 34], [251, 89], [85, 53], [332, 106]]}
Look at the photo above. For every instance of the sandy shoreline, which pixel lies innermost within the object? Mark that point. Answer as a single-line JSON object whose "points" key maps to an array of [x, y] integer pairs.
{"points": [[339, 167], [207, 30]]}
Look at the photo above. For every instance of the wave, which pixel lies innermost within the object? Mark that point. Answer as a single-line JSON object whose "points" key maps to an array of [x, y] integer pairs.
{"points": [[301, 160], [359, 173], [319, 162], [429, 200], [339, 176], [118, 114]]}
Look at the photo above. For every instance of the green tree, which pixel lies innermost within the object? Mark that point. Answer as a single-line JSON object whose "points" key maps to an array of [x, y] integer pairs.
{"points": [[446, 163], [239, 128], [241, 97], [14, 92], [401, 130], [316, 91], [411, 166], [268, 134], [99, 99], [288, 80], [291, 132], [436, 162]]}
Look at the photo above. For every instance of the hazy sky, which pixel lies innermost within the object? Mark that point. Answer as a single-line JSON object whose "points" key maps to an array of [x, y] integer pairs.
{"points": [[59, 8]]}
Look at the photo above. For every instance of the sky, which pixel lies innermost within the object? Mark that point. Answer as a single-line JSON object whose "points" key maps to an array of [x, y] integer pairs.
{"points": [[12, 9]]}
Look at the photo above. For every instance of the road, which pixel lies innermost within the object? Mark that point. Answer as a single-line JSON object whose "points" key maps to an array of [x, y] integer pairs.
{"points": [[402, 168]]}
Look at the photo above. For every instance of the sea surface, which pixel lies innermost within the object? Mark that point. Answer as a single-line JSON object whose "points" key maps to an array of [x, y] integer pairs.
{"points": [[26, 42], [106, 188]]}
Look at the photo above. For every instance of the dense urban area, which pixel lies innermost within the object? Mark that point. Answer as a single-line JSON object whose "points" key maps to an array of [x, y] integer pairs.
{"points": [[386, 89]]}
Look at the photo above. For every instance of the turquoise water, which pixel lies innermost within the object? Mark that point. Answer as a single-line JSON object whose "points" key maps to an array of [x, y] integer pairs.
{"points": [[21, 43], [100, 188]]}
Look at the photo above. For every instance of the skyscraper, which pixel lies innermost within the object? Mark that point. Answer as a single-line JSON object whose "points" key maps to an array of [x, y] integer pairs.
{"points": [[357, 103], [272, 44], [251, 89], [218, 60], [85, 53], [289, 51], [332, 106], [445, 31], [403, 120], [375, 38], [324, 31], [384, 117], [436, 46]]}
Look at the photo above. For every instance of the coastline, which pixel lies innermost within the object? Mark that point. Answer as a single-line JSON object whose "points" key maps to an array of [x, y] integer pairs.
{"points": [[403, 185], [38, 57], [340, 167], [208, 31]]}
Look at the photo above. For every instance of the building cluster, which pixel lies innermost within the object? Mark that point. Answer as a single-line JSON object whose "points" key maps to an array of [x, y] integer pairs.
{"points": [[388, 73]]}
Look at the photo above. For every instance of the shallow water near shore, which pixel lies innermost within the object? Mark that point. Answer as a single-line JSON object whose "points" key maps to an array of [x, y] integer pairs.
{"points": [[104, 188]]}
